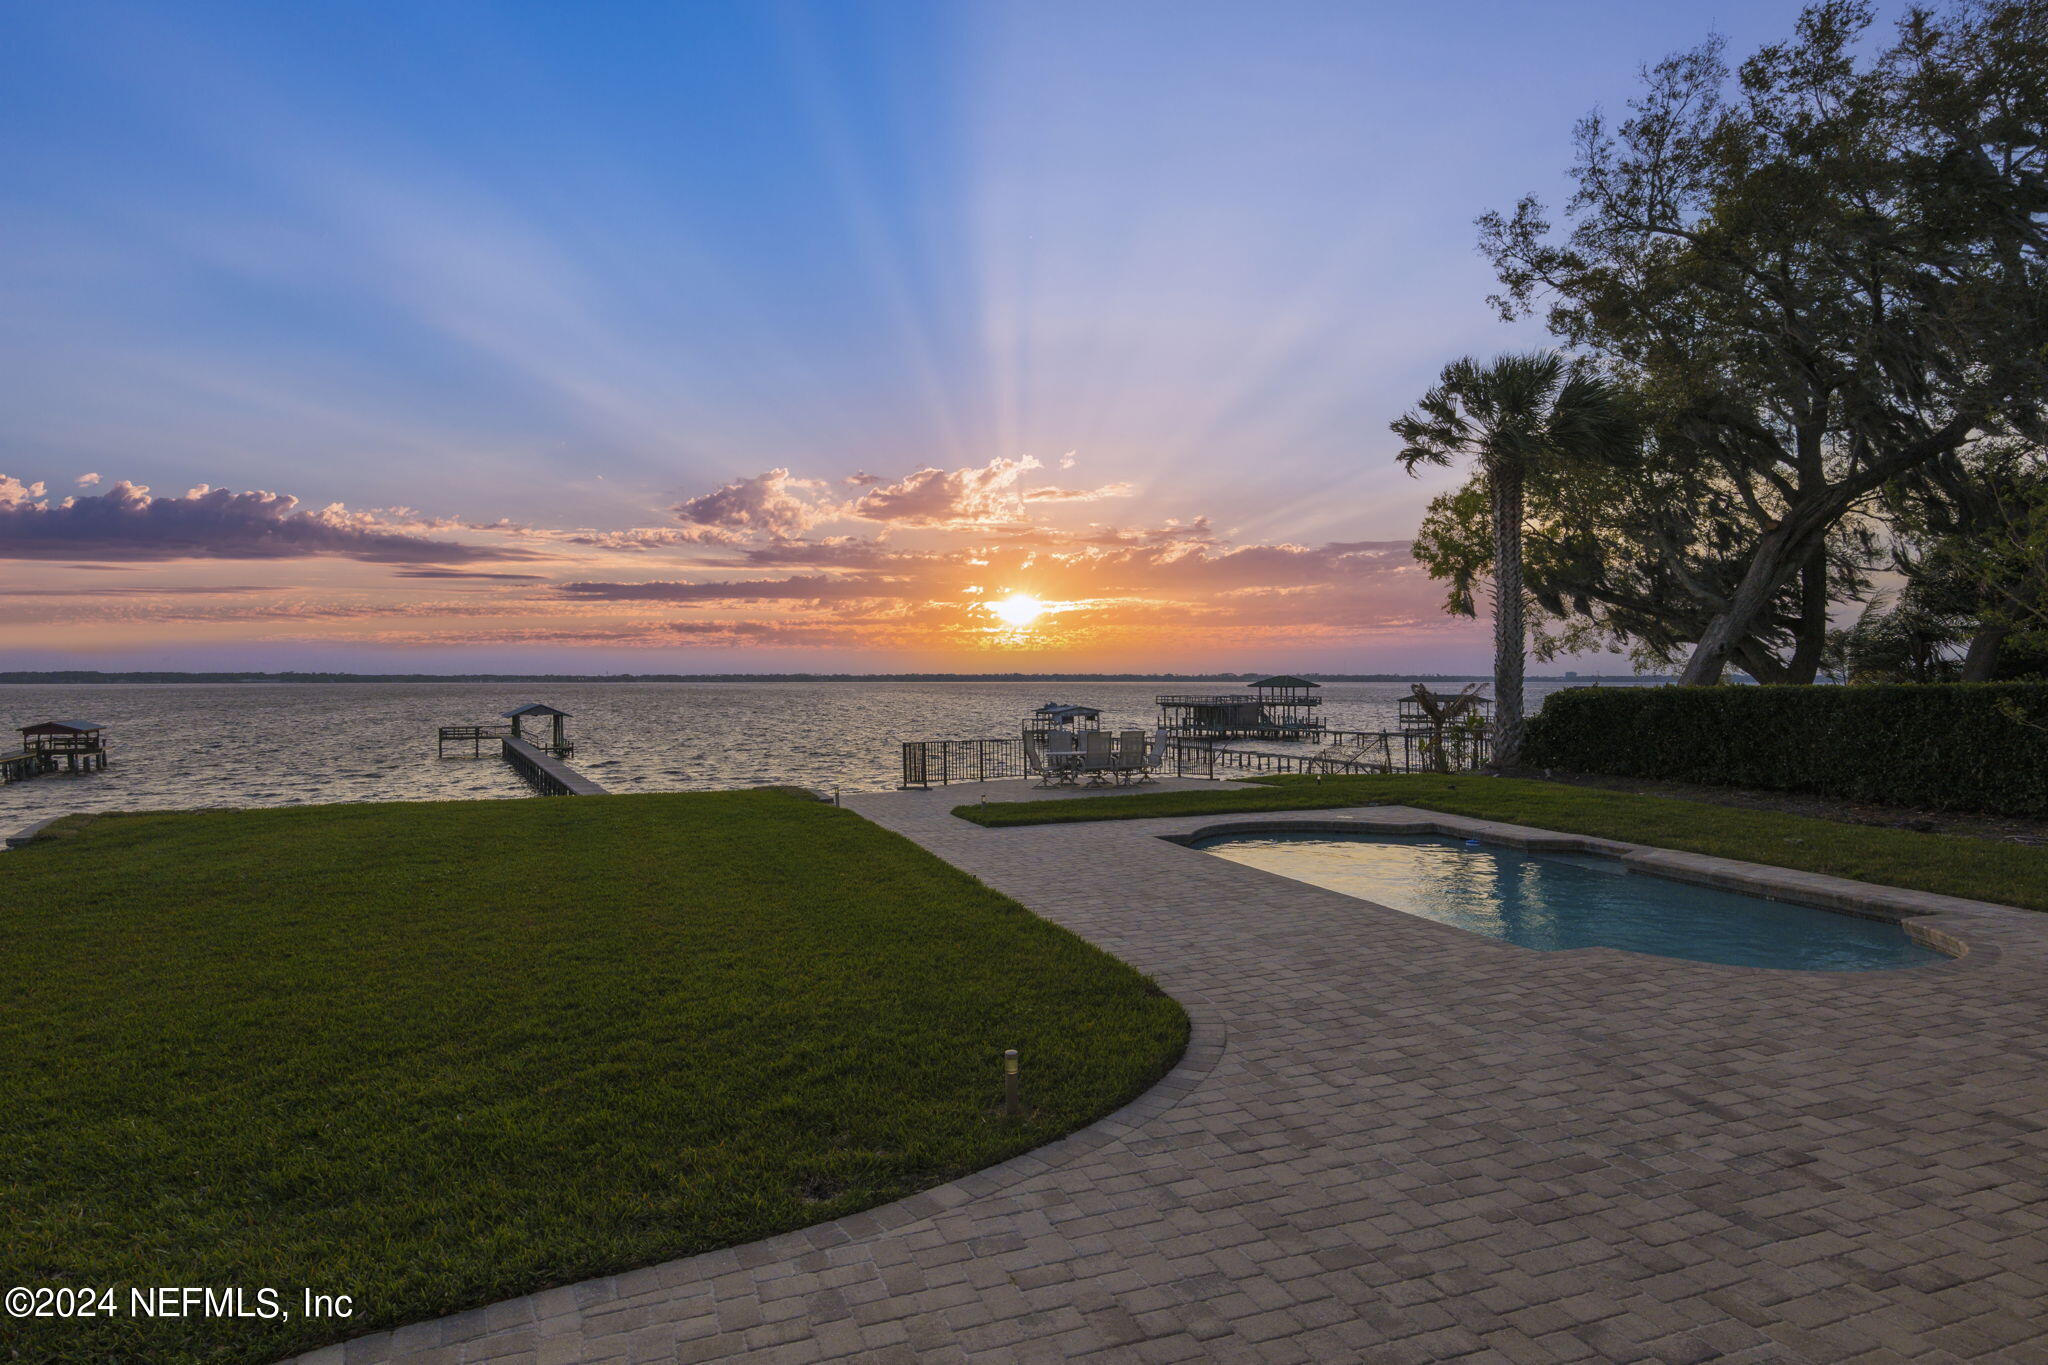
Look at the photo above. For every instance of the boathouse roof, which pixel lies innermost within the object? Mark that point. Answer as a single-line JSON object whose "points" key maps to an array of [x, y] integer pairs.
{"points": [[1061, 711], [1285, 681], [534, 708], [63, 727]]}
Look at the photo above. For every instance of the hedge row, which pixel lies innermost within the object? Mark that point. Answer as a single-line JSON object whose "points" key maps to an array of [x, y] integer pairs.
{"points": [[1949, 746]]}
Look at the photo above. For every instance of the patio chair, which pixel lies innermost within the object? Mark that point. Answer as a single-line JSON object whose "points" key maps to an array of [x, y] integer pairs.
{"points": [[1061, 760], [1098, 757], [1130, 756]]}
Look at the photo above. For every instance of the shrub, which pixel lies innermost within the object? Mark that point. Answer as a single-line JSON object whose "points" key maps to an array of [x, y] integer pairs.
{"points": [[1951, 746]]}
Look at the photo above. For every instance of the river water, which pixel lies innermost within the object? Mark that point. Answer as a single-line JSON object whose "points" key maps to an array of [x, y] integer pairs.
{"points": [[177, 745]]}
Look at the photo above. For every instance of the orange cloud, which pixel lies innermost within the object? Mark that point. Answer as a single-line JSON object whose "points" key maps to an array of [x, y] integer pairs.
{"points": [[776, 560]]}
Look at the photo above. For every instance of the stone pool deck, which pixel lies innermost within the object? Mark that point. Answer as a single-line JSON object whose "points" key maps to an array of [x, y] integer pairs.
{"points": [[1393, 1141]]}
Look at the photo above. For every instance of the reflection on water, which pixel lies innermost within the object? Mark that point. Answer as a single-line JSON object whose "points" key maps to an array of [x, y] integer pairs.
{"points": [[1551, 901], [269, 744]]}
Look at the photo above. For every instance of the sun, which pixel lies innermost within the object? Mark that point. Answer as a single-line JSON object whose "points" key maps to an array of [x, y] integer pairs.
{"points": [[1018, 609]]}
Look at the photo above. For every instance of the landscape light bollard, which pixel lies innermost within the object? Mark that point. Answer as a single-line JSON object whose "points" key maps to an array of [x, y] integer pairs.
{"points": [[1013, 1090]]}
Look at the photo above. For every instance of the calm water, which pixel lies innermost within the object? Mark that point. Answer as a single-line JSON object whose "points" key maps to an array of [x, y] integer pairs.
{"points": [[270, 744], [1552, 901]]}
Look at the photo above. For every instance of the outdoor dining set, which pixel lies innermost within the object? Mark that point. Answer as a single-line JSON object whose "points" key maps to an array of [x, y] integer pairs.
{"points": [[1096, 758]]}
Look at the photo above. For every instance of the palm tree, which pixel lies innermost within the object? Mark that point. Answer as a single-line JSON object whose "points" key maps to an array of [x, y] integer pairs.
{"points": [[1521, 412]]}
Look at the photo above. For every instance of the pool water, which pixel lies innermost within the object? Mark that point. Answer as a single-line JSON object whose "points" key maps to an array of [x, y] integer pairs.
{"points": [[1551, 901]]}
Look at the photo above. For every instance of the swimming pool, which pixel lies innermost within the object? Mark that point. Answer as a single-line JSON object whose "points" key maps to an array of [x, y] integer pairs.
{"points": [[1554, 900]]}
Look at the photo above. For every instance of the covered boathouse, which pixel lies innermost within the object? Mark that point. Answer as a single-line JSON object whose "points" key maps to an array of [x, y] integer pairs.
{"points": [[1281, 707], [77, 746]]}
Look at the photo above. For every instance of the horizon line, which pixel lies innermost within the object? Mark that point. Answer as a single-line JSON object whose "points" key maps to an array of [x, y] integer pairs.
{"points": [[78, 676]]}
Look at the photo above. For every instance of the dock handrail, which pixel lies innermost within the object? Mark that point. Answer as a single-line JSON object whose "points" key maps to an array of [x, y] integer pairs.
{"points": [[548, 775], [472, 735], [1360, 751]]}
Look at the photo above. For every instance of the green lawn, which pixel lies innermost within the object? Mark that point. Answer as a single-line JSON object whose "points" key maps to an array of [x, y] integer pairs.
{"points": [[431, 1056], [1954, 865]]}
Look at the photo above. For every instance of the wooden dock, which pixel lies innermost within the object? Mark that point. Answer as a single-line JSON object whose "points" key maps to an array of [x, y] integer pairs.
{"points": [[72, 746], [537, 759], [475, 736], [545, 773]]}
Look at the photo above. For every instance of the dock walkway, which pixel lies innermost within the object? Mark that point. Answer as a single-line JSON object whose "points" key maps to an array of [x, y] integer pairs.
{"points": [[547, 774]]}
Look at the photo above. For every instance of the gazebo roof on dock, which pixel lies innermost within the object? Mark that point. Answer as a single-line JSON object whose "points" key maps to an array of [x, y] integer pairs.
{"points": [[1054, 710], [1285, 681], [533, 708], [63, 727]]}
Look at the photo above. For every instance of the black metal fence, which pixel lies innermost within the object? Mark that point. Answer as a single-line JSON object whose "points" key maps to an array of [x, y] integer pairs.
{"points": [[940, 762], [1343, 752]]}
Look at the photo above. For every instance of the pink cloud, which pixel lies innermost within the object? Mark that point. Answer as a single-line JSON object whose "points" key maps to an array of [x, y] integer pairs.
{"points": [[774, 503], [940, 497], [1050, 493]]}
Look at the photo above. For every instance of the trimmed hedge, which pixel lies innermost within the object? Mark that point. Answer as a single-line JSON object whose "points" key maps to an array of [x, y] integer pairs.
{"points": [[1946, 746]]}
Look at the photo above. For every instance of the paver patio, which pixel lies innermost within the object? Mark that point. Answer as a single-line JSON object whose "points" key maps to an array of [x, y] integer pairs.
{"points": [[1394, 1141]]}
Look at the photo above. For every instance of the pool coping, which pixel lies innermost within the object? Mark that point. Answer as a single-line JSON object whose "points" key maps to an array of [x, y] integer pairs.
{"points": [[1817, 891]]}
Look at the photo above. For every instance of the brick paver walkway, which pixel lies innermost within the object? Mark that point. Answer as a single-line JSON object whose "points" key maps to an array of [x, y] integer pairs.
{"points": [[1393, 1141]]}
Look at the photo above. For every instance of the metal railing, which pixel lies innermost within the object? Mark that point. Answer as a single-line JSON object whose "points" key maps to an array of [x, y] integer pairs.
{"points": [[1351, 752], [472, 735], [544, 773], [941, 762]]}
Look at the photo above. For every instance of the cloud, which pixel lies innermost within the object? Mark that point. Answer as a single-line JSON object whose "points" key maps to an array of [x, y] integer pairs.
{"points": [[781, 506], [811, 588], [774, 503], [753, 562], [471, 573], [838, 552], [987, 495], [629, 538], [1049, 493], [1174, 567], [1194, 531], [232, 589], [87, 480], [126, 523]]}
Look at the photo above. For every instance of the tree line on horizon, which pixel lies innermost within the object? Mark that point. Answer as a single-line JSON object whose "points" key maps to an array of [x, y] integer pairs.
{"points": [[1801, 313]]}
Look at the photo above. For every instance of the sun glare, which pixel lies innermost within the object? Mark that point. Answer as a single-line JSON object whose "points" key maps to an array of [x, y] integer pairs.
{"points": [[1018, 609]]}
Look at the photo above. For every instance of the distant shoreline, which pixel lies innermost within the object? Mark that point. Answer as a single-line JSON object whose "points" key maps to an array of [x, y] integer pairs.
{"points": [[67, 677]]}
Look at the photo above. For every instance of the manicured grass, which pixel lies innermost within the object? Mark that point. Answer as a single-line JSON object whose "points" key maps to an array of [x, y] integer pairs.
{"points": [[2010, 874], [432, 1056]]}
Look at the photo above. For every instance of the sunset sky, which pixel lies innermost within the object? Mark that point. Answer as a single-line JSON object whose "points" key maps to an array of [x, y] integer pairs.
{"points": [[708, 337]]}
